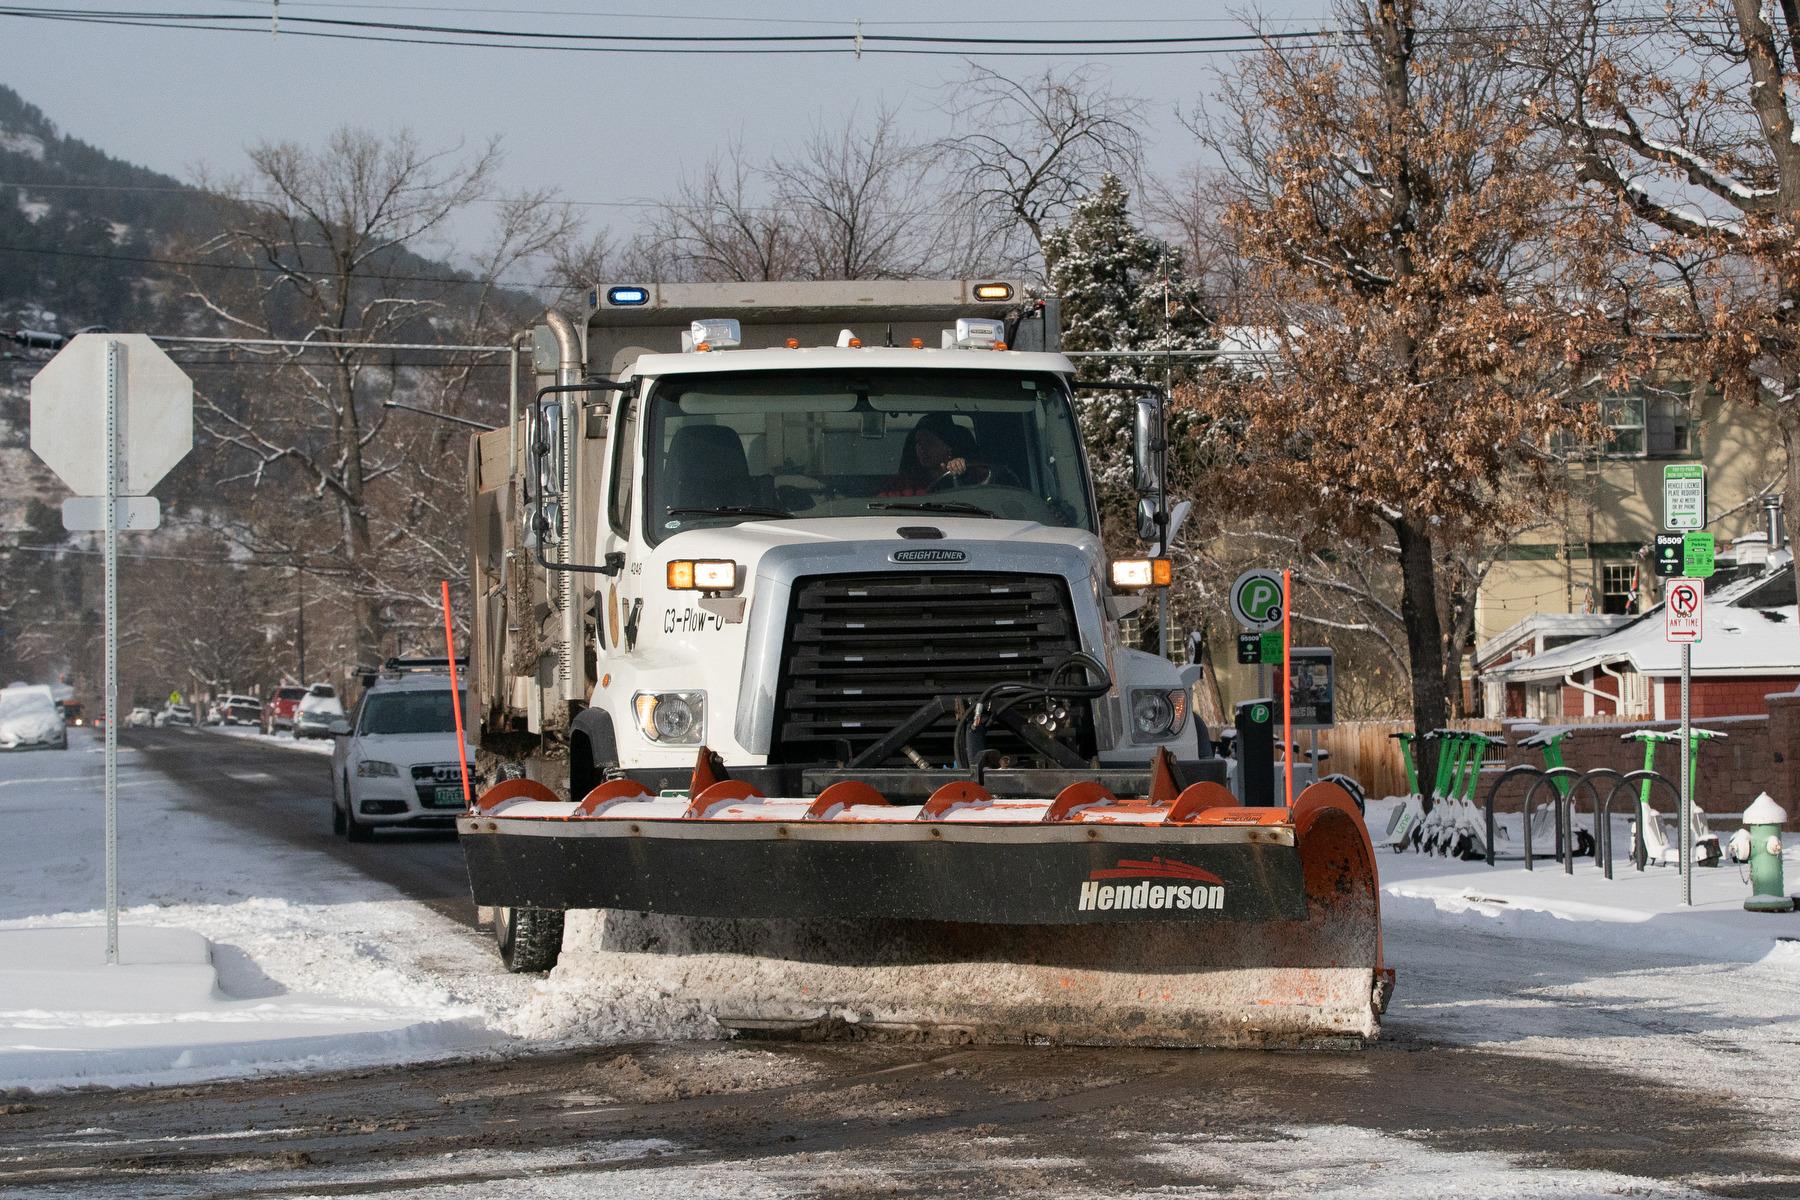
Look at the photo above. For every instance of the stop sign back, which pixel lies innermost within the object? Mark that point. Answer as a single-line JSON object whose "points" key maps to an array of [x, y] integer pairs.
{"points": [[68, 413]]}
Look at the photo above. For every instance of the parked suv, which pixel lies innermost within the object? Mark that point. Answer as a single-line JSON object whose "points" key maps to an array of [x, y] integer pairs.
{"points": [[278, 710], [397, 764], [240, 710]]}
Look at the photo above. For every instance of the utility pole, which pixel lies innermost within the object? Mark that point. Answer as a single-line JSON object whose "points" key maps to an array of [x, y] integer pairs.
{"points": [[300, 631]]}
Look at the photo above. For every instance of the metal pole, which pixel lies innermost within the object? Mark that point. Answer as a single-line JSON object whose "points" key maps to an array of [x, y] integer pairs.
{"points": [[1287, 681], [112, 652], [1687, 796], [1162, 622]]}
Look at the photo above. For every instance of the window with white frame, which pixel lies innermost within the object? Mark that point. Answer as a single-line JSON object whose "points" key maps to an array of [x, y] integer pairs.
{"points": [[1618, 587], [1653, 422]]}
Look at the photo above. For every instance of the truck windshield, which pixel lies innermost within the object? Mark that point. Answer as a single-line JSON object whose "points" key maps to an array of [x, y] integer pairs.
{"points": [[767, 445]]}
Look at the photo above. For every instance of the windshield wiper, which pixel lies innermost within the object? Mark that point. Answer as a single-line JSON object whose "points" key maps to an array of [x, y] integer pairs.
{"points": [[940, 506], [731, 510]]}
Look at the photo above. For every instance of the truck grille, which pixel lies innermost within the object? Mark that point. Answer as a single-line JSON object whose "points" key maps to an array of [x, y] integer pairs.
{"points": [[865, 651]]}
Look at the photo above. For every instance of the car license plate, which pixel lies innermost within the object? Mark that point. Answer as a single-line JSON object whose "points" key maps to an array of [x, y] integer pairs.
{"points": [[448, 797]]}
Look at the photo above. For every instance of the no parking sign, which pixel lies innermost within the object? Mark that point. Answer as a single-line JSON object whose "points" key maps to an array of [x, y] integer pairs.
{"points": [[1684, 610]]}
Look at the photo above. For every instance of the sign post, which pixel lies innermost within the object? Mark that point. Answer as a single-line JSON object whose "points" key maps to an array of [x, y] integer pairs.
{"points": [[1684, 621], [144, 405]]}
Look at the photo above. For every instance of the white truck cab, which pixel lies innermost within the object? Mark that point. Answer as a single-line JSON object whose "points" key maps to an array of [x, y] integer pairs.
{"points": [[815, 532]]}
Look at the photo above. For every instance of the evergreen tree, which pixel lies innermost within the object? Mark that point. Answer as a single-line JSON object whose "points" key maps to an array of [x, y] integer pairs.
{"points": [[1123, 289]]}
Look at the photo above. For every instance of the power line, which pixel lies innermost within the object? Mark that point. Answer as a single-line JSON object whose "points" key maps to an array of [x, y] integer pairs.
{"points": [[848, 39], [852, 41], [260, 268]]}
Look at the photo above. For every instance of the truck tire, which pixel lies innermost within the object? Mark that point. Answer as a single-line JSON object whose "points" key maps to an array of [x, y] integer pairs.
{"points": [[530, 939]]}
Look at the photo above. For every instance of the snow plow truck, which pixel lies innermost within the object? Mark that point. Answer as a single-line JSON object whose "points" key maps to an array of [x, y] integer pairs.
{"points": [[795, 651]]}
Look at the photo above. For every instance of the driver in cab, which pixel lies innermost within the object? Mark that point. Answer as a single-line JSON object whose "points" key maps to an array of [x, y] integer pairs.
{"points": [[938, 453]]}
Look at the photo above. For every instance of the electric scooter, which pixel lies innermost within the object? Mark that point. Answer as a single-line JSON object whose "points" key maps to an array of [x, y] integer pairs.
{"points": [[1652, 844]]}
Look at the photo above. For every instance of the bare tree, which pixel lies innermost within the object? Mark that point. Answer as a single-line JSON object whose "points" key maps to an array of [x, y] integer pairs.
{"points": [[851, 202], [324, 246], [859, 201], [1689, 120], [1034, 147], [1422, 280], [721, 225]]}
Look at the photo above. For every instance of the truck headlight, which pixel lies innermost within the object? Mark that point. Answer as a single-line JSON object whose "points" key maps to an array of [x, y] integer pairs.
{"points": [[370, 768], [1157, 715], [677, 718]]}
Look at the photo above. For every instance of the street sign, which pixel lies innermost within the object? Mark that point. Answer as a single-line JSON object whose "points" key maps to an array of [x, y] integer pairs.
{"points": [[1669, 554], [1249, 648], [1697, 555], [133, 512], [1684, 496], [68, 411], [1271, 647], [1684, 610], [111, 414], [1256, 599], [1312, 688]]}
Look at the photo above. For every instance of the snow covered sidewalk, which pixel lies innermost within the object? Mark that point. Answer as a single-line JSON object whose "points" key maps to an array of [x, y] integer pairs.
{"points": [[1635, 910], [271, 958]]}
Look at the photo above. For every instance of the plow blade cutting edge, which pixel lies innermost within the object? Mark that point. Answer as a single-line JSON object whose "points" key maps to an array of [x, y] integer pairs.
{"points": [[1085, 919]]}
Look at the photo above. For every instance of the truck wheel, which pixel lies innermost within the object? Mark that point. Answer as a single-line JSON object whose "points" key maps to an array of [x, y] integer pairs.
{"points": [[530, 939]]}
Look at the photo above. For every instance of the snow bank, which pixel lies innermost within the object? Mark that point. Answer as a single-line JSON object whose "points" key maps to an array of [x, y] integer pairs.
{"points": [[269, 959], [67, 1016], [279, 740]]}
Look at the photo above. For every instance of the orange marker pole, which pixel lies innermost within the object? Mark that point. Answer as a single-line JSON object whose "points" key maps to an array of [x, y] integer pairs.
{"points": [[1287, 677], [462, 756]]}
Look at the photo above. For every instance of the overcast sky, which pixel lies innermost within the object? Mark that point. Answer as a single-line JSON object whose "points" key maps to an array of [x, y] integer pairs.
{"points": [[607, 129]]}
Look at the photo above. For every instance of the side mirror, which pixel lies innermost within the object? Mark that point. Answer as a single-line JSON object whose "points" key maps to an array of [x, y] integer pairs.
{"points": [[340, 728], [1147, 445]]}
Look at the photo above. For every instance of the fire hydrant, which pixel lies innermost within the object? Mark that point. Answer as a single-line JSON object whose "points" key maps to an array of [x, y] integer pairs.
{"points": [[1759, 842]]}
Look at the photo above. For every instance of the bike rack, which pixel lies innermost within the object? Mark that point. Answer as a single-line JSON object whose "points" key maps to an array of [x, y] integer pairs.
{"points": [[1639, 852], [1493, 792], [1565, 812], [1565, 849]]}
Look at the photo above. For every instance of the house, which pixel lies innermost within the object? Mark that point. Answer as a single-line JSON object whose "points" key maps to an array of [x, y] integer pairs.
{"points": [[1750, 650], [1591, 554]]}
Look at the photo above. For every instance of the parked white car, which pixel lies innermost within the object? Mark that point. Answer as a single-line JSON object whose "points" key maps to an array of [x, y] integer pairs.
{"points": [[318, 713], [396, 763], [29, 719], [140, 718]]}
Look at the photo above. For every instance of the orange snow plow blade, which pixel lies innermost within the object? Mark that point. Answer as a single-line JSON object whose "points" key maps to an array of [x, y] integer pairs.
{"points": [[1167, 920]]}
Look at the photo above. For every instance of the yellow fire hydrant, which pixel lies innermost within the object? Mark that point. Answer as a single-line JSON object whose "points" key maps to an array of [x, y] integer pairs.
{"points": [[1759, 842]]}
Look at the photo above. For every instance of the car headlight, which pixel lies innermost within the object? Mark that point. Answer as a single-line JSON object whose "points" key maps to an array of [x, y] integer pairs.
{"points": [[370, 768], [1157, 714], [676, 718]]}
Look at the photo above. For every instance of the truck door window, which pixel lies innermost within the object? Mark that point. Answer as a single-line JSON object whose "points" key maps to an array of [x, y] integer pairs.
{"points": [[624, 449]]}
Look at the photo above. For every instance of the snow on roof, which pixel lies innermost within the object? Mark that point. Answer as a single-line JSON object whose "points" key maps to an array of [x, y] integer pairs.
{"points": [[1746, 633], [1550, 625]]}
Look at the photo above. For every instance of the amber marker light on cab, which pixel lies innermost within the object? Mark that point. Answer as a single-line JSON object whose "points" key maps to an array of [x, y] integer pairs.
{"points": [[1142, 572]]}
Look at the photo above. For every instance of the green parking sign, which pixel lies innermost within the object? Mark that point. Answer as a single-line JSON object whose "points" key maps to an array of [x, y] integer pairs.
{"points": [[1684, 496], [1697, 555]]}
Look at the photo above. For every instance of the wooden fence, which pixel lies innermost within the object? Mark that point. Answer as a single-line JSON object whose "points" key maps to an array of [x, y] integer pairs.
{"points": [[1367, 752]]}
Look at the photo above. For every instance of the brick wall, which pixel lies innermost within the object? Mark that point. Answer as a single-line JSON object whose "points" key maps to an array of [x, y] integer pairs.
{"points": [[1784, 749]]}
